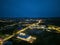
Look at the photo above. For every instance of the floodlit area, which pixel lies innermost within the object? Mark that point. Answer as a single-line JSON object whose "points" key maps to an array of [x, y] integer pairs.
{"points": [[26, 37]]}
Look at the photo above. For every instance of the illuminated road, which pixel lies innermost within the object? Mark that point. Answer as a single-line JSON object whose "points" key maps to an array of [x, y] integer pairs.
{"points": [[19, 31], [5, 39], [54, 28], [49, 27]]}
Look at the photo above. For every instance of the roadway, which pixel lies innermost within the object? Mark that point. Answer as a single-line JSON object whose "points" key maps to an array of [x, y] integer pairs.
{"points": [[5, 39], [34, 24]]}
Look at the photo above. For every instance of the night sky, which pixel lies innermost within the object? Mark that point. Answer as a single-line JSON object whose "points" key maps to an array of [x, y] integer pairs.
{"points": [[29, 8]]}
